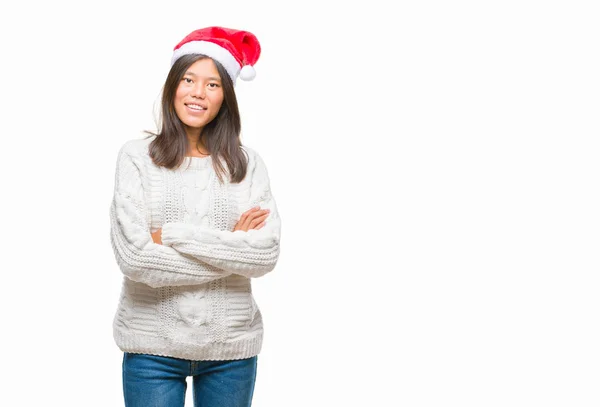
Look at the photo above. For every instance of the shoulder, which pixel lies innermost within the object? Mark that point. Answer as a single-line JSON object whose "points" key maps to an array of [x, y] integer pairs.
{"points": [[256, 165], [136, 147], [250, 152], [254, 158]]}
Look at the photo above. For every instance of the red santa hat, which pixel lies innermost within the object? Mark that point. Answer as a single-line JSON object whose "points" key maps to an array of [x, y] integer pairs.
{"points": [[236, 50]]}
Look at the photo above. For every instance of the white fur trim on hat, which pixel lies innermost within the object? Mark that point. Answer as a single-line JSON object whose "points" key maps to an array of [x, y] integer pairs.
{"points": [[210, 49]]}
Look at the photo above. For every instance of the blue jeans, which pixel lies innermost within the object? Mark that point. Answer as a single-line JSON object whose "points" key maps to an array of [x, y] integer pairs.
{"points": [[160, 381]]}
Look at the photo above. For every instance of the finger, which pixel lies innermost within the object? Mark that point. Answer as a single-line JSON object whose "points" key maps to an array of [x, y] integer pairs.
{"points": [[248, 219], [258, 220], [259, 217], [249, 216], [245, 215], [255, 215], [248, 213], [254, 209], [243, 219], [259, 226]]}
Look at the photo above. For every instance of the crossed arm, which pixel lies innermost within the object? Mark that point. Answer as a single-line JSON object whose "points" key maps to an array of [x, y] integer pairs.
{"points": [[185, 254], [253, 218]]}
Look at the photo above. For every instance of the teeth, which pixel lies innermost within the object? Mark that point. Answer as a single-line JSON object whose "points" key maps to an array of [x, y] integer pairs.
{"points": [[195, 107]]}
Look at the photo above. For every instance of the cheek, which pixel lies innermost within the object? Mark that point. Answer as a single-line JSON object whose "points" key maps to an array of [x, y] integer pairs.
{"points": [[217, 101], [179, 94], [178, 101]]}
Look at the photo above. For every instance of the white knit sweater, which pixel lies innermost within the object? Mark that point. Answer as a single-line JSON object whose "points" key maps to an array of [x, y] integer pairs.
{"points": [[190, 297]]}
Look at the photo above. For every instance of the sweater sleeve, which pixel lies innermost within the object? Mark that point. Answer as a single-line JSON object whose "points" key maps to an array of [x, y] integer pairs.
{"points": [[138, 257], [250, 254]]}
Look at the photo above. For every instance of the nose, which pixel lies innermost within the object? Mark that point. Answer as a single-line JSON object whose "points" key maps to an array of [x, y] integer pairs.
{"points": [[198, 91]]}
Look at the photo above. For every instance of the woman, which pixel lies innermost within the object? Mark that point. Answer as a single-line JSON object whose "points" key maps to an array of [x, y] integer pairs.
{"points": [[192, 221]]}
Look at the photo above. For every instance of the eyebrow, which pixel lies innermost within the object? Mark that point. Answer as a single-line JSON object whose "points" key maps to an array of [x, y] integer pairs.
{"points": [[212, 78]]}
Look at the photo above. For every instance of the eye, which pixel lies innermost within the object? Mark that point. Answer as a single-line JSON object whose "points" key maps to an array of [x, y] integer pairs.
{"points": [[213, 85], [187, 80]]}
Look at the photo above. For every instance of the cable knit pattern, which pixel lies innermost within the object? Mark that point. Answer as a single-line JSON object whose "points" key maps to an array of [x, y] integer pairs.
{"points": [[251, 253], [190, 297]]}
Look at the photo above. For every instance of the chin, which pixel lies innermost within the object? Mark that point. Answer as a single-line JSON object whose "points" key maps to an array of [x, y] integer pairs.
{"points": [[195, 124]]}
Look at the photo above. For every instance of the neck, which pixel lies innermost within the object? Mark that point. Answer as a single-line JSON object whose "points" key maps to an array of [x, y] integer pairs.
{"points": [[197, 147]]}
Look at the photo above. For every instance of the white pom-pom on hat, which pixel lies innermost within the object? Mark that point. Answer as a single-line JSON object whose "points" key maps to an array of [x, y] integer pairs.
{"points": [[247, 73]]}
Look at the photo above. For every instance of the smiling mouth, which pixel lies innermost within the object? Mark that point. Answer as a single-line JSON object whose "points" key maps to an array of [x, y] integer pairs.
{"points": [[195, 107]]}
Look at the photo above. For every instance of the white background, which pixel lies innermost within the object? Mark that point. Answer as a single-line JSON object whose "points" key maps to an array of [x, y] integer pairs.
{"points": [[435, 166]]}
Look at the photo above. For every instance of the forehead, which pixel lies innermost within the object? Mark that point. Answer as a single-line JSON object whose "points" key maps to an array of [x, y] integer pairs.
{"points": [[204, 68]]}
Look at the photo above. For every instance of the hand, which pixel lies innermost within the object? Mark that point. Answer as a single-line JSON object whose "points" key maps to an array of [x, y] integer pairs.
{"points": [[253, 218], [157, 236]]}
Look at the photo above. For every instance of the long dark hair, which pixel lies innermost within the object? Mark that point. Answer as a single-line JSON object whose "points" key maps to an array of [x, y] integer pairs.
{"points": [[221, 135]]}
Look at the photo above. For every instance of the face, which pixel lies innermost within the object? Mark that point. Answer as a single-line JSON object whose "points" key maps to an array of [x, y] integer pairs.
{"points": [[199, 95]]}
